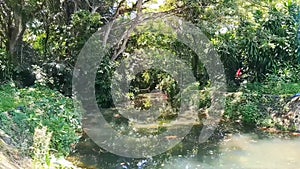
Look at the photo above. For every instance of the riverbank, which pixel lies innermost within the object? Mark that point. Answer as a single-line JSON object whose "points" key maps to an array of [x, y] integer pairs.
{"points": [[25, 110], [10, 156]]}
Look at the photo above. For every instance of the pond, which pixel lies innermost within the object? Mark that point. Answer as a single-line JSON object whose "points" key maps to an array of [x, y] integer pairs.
{"points": [[229, 151]]}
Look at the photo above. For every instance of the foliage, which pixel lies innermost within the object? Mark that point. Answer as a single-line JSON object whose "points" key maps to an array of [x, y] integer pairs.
{"points": [[284, 81], [6, 67], [41, 142], [274, 88], [14, 16], [244, 110], [257, 103], [8, 101], [256, 35], [59, 44], [287, 73], [103, 83], [29, 108], [265, 38], [260, 36], [151, 37]]}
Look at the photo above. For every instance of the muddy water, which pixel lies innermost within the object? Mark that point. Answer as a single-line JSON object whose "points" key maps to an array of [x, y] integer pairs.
{"points": [[245, 152], [241, 151]]}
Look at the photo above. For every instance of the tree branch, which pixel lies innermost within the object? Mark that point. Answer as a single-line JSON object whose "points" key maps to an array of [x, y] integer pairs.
{"points": [[124, 39], [121, 45], [111, 23], [94, 8]]}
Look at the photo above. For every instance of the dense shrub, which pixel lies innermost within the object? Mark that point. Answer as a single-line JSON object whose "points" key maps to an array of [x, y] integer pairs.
{"points": [[6, 67], [244, 110], [257, 103], [263, 39], [22, 110]]}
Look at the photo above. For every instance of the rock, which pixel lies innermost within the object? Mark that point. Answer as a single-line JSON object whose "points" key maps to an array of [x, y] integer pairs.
{"points": [[10, 156], [62, 163], [4, 137], [291, 117]]}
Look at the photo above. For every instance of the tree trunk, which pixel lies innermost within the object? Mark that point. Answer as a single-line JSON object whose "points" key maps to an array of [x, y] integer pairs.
{"points": [[16, 33]]}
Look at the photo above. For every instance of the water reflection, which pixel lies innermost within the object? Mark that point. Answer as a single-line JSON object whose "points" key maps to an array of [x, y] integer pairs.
{"points": [[231, 152], [246, 152]]}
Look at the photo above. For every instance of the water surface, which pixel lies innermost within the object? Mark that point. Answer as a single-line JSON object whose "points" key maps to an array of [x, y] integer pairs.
{"points": [[240, 151], [246, 152]]}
